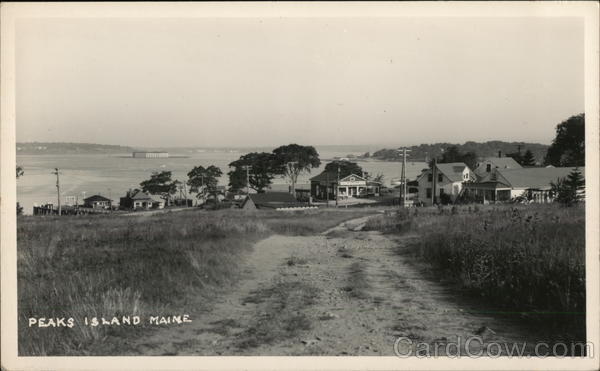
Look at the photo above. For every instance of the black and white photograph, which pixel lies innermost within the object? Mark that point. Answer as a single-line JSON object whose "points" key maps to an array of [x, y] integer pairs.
{"points": [[349, 182]]}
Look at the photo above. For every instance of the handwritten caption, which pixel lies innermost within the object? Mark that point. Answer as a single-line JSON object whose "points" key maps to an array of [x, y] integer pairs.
{"points": [[70, 322]]}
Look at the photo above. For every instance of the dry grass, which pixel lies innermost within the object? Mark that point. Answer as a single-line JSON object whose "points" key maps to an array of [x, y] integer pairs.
{"points": [[106, 266], [528, 259]]}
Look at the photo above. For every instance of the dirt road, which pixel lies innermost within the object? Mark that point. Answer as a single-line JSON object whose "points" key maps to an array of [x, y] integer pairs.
{"points": [[344, 292]]}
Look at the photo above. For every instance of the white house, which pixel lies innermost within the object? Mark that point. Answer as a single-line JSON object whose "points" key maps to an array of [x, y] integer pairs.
{"points": [[506, 184], [349, 186], [450, 179]]}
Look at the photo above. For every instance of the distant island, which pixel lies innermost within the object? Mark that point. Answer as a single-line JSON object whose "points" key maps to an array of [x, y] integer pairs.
{"points": [[485, 149], [418, 152], [48, 148]]}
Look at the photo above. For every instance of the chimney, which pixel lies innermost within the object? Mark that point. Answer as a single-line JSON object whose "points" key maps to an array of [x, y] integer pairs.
{"points": [[499, 154]]}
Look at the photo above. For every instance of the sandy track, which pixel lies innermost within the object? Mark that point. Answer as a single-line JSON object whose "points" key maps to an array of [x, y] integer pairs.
{"points": [[343, 292]]}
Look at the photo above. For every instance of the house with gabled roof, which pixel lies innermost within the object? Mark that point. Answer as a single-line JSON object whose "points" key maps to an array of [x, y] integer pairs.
{"points": [[326, 186], [504, 185], [138, 199], [97, 202], [487, 165], [450, 178]]}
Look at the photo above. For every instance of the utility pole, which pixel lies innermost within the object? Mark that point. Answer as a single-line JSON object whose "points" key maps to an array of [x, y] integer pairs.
{"points": [[402, 196], [247, 167], [327, 189], [337, 187], [434, 179], [403, 176], [56, 172]]}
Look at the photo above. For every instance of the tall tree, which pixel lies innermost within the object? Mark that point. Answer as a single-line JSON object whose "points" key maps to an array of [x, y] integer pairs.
{"points": [[568, 147], [293, 159], [346, 168], [263, 170], [203, 181], [528, 159], [570, 189], [160, 184]]}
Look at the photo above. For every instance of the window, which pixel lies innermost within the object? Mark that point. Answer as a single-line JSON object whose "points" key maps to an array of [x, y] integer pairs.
{"points": [[440, 177], [430, 177], [428, 192], [488, 168]]}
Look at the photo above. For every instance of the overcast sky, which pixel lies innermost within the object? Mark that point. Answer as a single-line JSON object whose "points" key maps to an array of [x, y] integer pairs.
{"points": [[272, 81]]}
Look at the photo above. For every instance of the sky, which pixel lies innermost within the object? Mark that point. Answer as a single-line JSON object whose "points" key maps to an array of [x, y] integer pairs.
{"points": [[214, 82]]}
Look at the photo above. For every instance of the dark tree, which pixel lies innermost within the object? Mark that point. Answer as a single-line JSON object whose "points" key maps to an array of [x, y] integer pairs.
{"points": [[528, 159], [263, 170], [346, 168], [203, 181], [568, 147], [470, 159], [453, 154], [571, 189], [160, 184], [293, 160]]}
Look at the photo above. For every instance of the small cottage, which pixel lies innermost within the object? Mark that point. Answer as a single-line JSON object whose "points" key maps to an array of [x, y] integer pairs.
{"points": [[97, 202], [138, 199]]}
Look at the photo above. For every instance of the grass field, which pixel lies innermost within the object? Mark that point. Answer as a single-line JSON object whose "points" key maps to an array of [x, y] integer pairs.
{"points": [[102, 266], [528, 259]]}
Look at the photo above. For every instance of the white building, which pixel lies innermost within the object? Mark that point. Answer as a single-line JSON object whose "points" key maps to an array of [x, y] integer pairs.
{"points": [[506, 184], [150, 154], [349, 186], [449, 183]]}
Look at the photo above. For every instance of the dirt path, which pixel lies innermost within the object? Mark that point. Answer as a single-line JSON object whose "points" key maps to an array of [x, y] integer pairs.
{"points": [[344, 292]]}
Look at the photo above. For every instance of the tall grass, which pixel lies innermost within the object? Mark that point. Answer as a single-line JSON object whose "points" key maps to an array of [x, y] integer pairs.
{"points": [[102, 266], [527, 259]]}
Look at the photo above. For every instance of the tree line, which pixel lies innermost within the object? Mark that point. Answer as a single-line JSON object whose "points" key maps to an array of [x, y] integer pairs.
{"points": [[255, 170]]}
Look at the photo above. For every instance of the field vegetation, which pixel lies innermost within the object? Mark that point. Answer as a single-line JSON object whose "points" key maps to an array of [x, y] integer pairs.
{"points": [[528, 259], [100, 266]]}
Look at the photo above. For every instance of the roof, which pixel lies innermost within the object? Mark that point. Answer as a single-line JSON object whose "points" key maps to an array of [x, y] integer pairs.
{"points": [[96, 198], [156, 198], [453, 170], [272, 197], [496, 162], [534, 177], [352, 177], [140, 195], [324, 176]]}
